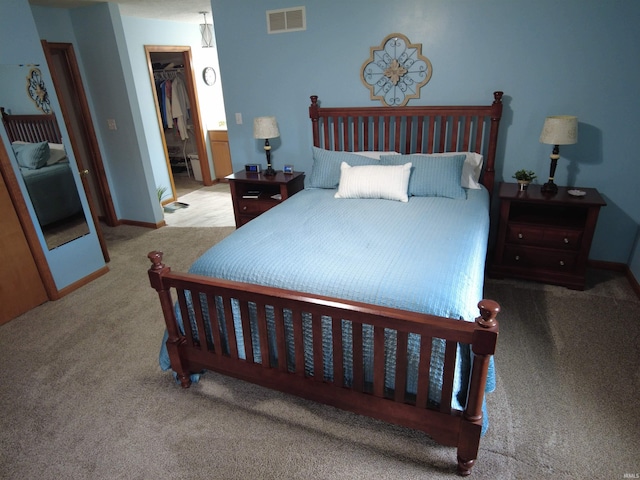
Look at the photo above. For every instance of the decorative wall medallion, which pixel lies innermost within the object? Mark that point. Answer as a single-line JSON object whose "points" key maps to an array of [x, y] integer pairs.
{"points": [[37, 90], [396, 70]]}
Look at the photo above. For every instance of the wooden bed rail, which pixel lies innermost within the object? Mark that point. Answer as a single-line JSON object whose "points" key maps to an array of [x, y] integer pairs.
{"points": [[196, 345]]}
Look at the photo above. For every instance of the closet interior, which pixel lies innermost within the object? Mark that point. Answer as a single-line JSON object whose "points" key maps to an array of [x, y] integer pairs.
{"points": [[175, 113]]}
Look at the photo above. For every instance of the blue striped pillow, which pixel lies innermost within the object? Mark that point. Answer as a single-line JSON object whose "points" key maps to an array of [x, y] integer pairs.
{"points": [[433, 175], [32, 155], [325, 172]]}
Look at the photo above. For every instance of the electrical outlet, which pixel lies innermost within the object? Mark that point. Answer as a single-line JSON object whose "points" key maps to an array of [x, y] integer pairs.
{"points": [[111, 124], [238, 119]]}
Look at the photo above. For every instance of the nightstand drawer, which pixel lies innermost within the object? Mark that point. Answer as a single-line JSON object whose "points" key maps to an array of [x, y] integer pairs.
{"points": [[524, 235], [255, 205], [539, 258], [557, 238], [544, 237]]}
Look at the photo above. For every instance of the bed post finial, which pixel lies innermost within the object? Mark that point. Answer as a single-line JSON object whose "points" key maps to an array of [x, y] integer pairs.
{"points": [[157, 270], [489, 310], [156, 260], [496, 106], [314, 114], [313, 108]]}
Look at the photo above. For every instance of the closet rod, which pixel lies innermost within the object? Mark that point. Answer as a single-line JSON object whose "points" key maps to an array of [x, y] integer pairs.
{"points": [[168, 74], [176, 69]]}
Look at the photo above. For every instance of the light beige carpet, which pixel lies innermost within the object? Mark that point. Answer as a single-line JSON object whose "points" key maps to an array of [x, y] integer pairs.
{"points": [[82, 395]]}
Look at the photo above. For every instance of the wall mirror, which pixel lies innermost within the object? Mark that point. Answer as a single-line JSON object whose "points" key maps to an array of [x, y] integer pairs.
{"points": [[37, 152]]}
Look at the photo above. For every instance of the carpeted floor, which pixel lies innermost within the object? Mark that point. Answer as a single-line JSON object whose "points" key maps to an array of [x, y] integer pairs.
{"points": [[83, 397]]}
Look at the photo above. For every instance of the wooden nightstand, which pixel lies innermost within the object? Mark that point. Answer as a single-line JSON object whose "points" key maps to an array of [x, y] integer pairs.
{"points": [[545, 238], [253, 193]]}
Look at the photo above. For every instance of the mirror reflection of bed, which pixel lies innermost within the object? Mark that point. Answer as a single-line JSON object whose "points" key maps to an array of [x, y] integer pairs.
{"points": [[48, 176]]}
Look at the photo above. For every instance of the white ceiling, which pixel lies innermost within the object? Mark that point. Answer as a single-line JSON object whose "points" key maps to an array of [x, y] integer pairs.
{"points": [[173, 10]]}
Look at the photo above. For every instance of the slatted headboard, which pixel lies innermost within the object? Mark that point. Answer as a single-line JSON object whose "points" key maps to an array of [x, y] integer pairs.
{"points": [[31, 128], [429, 129]]}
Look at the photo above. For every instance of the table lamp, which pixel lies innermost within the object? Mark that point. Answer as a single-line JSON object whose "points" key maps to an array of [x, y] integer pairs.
{"points": [[266, 127], [557, 130]]}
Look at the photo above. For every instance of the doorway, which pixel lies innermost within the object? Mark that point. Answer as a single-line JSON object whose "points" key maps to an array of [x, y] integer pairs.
{"points": [[69, 88], [170, 68]]}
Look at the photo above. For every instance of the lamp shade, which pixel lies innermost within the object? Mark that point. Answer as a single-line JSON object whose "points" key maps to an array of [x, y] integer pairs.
{"points": [[265, 127], [560, 130]]}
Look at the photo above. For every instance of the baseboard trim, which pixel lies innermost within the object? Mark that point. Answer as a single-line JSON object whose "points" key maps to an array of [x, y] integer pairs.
{"points": [[82, 282], [135, 223], [618, 267]]}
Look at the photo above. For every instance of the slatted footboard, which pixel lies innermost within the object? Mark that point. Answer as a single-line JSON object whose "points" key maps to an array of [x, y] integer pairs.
{"points": [[197, 345]]}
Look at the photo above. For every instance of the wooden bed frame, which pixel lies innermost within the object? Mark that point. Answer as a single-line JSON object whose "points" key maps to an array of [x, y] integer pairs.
{"points": [[405, 130]]}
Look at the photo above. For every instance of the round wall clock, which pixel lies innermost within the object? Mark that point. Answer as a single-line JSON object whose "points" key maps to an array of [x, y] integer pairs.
{"points": [[37, 90], [209, 76]]}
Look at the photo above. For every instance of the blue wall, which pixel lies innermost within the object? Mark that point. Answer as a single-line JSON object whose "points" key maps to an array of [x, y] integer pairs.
{"points": [[140, 32], [103, 48], [576, 57]]}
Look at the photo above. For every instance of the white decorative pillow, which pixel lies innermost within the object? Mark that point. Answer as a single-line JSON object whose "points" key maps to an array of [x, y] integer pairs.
{"points": [[389, 182], [57, 153], [471, 169]]}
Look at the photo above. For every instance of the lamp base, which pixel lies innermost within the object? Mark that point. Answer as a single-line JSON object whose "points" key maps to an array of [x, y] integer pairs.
{"points": [[549, 188], [269, 172]]}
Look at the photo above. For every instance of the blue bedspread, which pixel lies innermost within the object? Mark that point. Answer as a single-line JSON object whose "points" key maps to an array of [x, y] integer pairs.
{"points": [[426, 255], [401, 255], [53, 192]]}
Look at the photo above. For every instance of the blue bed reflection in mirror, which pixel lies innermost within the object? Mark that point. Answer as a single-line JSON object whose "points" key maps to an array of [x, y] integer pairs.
{"points": [[37, 152], [53, 194]]}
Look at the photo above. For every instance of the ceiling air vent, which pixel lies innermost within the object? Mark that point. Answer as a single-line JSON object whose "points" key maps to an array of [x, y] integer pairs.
{"points": [[286, 20]]}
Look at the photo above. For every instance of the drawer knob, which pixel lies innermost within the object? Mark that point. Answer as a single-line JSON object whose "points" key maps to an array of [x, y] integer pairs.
{"points": [[244, 208], [517, 257], [566, 240], [520, 235], [562, 263]]}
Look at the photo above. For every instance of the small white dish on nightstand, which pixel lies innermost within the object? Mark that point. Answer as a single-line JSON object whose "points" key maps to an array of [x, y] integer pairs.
{"points": [[577, 193]]}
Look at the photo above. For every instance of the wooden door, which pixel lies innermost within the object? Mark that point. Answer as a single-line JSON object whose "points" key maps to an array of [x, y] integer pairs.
{"points": [[221, 153], [21, 287]]}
